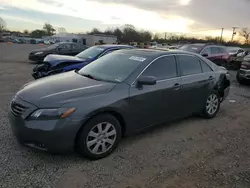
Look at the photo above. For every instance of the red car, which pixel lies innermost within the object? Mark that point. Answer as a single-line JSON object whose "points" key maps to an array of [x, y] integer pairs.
{"points": [[216, 53]]}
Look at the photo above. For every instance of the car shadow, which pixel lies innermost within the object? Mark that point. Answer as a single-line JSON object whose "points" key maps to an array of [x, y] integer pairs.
{"points": [[156, 129]]}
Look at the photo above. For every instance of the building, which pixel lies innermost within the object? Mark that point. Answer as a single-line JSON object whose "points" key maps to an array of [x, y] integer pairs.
{"points": [[64, 37], [88, 40], [91, 40]]}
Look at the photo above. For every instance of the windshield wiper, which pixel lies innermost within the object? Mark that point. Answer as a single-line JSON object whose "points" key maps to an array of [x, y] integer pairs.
{"points": [[90, 76]]}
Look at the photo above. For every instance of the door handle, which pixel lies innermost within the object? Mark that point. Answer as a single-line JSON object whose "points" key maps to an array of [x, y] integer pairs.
{"points": [[210, 78], [176, 86]]}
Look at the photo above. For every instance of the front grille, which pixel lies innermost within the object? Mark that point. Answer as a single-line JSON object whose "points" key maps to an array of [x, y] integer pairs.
{"points": [[242, 72], [17, 109]]}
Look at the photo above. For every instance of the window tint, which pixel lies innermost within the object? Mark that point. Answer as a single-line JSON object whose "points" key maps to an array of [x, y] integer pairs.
{"points": [[205, 67], [65, 46], [216, 50], [108, 52], [223, 50], [75, 46], [189, 65], [162, 68], [207, 51]]}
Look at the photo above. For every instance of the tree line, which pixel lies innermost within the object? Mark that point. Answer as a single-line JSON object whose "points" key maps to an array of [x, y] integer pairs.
{"points": [[128, 33]]}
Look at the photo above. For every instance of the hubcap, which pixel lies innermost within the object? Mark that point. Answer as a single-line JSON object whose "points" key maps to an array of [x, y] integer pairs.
{"points": [[101, 138], [212, 104]]}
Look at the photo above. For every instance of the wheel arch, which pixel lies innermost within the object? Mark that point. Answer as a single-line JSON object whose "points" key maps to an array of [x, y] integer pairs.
{"points": [[221, 85], [114, 112]]}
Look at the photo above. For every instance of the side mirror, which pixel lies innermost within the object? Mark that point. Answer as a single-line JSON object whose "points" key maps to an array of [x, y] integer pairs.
{"points": [[59, 49], [146, 80], [205, 55]]}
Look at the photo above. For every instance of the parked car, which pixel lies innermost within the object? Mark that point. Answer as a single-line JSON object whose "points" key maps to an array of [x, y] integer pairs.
{"points": [[54, 64], [62, 48], [217, 54], [243, 74], [233, 51], [116, 95]]}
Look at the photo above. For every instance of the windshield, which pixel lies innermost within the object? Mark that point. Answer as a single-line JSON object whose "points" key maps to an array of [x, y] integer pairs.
{"points": [[114, 67], [90, 53], [192, 48]]}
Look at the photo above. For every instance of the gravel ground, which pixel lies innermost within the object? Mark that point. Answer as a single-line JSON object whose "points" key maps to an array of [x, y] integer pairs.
{"points": [[189, 153], [16, 52]]}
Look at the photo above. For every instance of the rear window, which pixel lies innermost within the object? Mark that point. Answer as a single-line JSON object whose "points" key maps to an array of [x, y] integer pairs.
{"points": [[192, 48]]}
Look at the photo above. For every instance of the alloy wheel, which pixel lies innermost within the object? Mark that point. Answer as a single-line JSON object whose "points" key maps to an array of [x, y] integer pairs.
{"points": [[101, 138], [212, 104]]}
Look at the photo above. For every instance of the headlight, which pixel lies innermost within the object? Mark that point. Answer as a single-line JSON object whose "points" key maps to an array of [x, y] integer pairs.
{"points": [[38, 53], [49, 114]]}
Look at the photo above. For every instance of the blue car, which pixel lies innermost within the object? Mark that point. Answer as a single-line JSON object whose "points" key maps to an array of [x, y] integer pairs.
{"points": [[54, 64]]}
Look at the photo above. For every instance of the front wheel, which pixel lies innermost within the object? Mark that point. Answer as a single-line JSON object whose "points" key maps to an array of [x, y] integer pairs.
{"points": [[239, 79], [99, 137], [212, 105]]}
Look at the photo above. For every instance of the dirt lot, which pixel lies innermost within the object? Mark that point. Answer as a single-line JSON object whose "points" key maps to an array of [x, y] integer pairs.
{"points": [[190, 153]]}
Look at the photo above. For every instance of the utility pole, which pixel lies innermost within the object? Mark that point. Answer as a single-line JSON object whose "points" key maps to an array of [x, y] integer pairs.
{"points": [[222, 29], [165, 36], [233, 33]]}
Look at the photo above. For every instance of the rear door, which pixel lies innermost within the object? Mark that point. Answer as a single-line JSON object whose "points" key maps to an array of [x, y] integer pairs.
{"points": [[154, 104], [197, 80]]}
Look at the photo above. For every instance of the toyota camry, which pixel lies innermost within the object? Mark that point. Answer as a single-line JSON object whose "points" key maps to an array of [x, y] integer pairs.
{"points": [[90, 110]]}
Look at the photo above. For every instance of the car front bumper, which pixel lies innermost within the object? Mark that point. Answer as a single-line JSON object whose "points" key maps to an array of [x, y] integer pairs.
{"points": [[245, 74], [33, 57], [56, 136]]}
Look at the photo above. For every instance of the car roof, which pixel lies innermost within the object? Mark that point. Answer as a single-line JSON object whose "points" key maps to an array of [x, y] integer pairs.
{"points": [[205, 44], [106, 46], [154, 53]]}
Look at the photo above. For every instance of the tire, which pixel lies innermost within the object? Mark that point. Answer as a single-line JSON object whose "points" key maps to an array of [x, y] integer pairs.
{"points": [[224, 64], [212, 97], [239, 79], [96, 143]]}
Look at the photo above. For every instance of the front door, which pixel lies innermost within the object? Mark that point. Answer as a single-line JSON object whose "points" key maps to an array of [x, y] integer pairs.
{"points": [[216, 55], [64, 49], [75, 49], [197, 82], [157, 103]]}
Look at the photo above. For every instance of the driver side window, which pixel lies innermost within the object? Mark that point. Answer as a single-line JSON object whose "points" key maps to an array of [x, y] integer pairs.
{"points": [[163, 68], [65, 46], [206, 51]]}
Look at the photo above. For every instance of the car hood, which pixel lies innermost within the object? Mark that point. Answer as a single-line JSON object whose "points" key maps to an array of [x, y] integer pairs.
{"points": [[54, 91], [247, 58], [54, 59]]}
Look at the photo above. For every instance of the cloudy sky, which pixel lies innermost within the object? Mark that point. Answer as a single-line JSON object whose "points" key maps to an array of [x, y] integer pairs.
{"points": [[205, 17]]}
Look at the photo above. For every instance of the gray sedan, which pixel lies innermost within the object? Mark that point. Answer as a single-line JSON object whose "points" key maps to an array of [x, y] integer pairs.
{"points": [[121, 93]]}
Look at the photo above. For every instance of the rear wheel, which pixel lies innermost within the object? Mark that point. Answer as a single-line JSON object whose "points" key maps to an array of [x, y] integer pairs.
{"points": [[212, 105], [99, 137]]}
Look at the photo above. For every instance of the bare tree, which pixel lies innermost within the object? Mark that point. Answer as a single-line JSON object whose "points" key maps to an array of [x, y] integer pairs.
{"points": [[61, 30], [245, 33], [2, 25]]}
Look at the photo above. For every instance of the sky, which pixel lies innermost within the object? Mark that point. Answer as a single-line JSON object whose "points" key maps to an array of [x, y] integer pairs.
{"points": [[192, 17]]}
